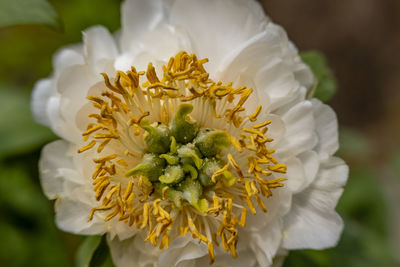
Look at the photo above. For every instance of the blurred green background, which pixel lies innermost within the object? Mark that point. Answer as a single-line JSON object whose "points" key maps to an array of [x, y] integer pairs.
{"points": [[359, 39]]}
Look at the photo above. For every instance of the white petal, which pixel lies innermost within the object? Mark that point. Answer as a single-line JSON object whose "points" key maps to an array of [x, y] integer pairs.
{"points": [[295, 174], [181, 251], [133, 251], [301, 70], [99, 48], [312, 222], [300, 135], [223, 259], [157, 47], [276, 205], [276, 130], [268, 59], [310, 162], [332, 178], [265, 243], [73, 85], [278, 81], [66, 57], [327, 129], [56, 169], [218, 27], [301, 171], [72, 216], [138, 18], [40, 96]]}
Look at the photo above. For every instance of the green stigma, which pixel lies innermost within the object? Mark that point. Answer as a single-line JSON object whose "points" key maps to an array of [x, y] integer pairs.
{"points": [[182, 159]]}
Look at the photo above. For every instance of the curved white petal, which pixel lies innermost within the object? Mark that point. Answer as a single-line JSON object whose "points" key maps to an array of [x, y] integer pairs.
{"points": [[265, 243], [66, 57], [301, 70], [243, 47], [40, 96], [300, 135], [73, 86], [296, 177], [157, 47], [268, 59], [72, 216], [99, 49], [312, 221], [139, 18], [181, 252], [310, 162], [327, 129], [217, 27], [56, 169]]}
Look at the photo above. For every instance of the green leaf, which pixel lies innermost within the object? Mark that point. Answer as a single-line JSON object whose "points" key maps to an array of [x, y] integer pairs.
{"points": [[94, 252], [27, 227], [18, 12], [325, 86], [86, 250], [19, 132]]}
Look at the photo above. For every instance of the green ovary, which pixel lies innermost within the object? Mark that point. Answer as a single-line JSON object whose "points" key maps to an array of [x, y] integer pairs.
{"points": [[181, 158]]}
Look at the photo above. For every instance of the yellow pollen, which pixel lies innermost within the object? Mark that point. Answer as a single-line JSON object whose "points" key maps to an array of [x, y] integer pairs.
{"points": [[116, 135]]}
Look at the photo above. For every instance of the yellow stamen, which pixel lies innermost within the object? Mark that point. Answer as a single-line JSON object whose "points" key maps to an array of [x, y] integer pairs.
{"points": [[87, 147], [116, 128]]}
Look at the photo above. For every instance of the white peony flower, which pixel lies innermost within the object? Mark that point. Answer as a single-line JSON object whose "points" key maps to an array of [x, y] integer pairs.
{"points": [[181, 161]]}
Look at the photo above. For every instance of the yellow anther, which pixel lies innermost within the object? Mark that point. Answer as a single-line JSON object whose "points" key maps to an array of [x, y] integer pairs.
{"points": [[93, 129], [248, 188], [252, 131], [112, 215], [242, 221], [105, 158], [128, 190], [112, 191], [211, 252], [278, 168], [250, 204], [234, 164], [261, 203], [219, 172], [262, 124], [99, 208], [109, 85], [151, 74], [253, 117], [146, 214], [87, 147], [236, 144], [103, 145]]}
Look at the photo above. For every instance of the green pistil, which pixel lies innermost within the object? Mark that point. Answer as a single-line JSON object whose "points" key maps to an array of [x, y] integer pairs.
{"points": [[172, 174], [183, 128], [212, 142], [157, 138], [151, 167], [189, 154], [183, 159]]}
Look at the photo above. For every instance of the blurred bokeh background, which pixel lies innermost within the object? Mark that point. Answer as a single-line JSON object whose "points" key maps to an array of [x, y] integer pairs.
{"points": [[361, 42]]}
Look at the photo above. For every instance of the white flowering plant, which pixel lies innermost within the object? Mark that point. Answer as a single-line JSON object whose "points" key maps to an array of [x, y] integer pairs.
{"points": [[195, 135], [190, 138]]}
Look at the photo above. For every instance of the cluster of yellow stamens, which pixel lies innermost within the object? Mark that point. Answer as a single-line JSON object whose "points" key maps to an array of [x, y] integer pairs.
{"points": [[118, 136]]}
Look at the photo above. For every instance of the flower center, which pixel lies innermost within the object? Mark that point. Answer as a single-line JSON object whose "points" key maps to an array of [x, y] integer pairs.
{"points": [[181, 161], [178, 155]]}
